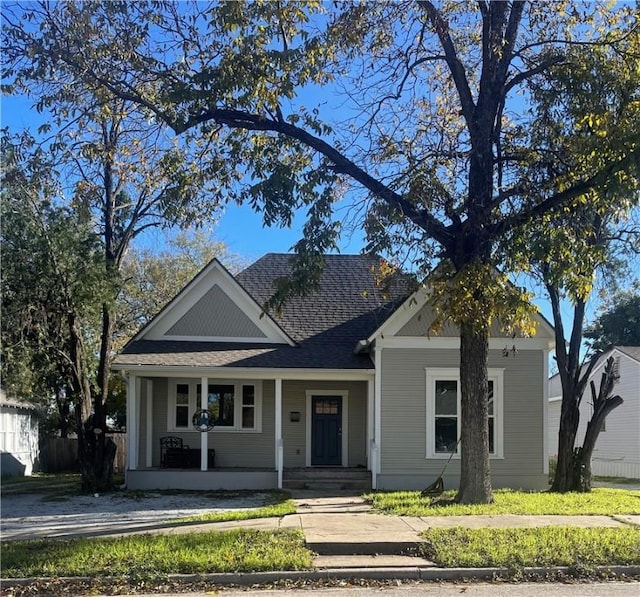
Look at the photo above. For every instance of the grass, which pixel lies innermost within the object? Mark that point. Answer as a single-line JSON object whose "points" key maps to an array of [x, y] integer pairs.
{"points": [[52, 487], [618, 480], [600, 501], [152, 556], [278, 503], [532, 547]]}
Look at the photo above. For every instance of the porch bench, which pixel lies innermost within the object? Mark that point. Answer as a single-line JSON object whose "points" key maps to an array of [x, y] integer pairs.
{"points": [[188, 458]]}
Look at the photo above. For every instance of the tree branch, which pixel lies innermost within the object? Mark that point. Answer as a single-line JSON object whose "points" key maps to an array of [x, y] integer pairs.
{"points": [[247, 121], [563, 197], [455, 65]]}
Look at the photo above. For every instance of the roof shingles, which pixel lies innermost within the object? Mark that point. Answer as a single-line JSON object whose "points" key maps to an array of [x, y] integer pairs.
{"points": [[350, 304]]}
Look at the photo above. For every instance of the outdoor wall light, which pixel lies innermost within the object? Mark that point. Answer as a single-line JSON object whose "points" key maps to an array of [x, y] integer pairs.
{"points": [[294, 416]]}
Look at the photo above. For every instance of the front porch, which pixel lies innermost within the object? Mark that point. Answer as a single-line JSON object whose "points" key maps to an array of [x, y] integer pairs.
{"points": [[320, 478], [198, 480], [265, 430]]}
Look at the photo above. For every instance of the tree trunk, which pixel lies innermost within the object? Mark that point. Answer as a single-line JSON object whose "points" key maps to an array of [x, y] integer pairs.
{"points": [[603, 403], [475, 475], [564, 479], [96, 453]]}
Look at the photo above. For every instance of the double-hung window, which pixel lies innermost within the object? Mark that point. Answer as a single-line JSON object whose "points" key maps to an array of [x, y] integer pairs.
{"points": [[444, 418], [232, 405]]}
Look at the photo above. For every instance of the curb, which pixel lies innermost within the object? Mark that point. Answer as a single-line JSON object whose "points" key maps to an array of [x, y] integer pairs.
{"points": [[382, 573]]}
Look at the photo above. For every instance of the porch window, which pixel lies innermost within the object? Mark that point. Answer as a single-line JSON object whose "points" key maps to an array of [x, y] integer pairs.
{"points": [[220, 401], [443, 412], [234, 405], [248, 407], [182, 406]]}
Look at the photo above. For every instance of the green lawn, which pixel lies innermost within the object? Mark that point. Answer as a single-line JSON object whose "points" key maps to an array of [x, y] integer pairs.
{"points": [[506, 501], [155, 555], [532, 547], [61, 484], [278, 504]]}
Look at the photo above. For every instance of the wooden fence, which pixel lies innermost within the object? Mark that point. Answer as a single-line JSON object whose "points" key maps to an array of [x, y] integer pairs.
{"points": [[59, 454]]}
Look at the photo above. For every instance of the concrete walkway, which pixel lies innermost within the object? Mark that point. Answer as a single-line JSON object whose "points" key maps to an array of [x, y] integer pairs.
{"points": [[343, 531]]}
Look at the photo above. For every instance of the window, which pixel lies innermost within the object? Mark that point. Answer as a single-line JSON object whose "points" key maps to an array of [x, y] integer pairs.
{"points": [[446, 416], [220, 403], [182, 406], [234, 406], [248, 407], [443, 412]]}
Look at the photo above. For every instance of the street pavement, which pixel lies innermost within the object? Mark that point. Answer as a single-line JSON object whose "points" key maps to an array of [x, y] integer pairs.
{"points": [[595, 589]]}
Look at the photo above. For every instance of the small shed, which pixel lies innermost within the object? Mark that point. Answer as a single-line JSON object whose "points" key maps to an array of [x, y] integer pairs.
{"points": [[19, 449]]}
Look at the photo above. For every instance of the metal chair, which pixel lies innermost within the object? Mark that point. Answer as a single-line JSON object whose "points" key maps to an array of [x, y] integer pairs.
{"points": [[173, 452]]}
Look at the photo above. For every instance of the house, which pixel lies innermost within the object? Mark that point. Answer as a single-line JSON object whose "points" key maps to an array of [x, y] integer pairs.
{"points": [[344, 383], [617, 451], [19, 450]]}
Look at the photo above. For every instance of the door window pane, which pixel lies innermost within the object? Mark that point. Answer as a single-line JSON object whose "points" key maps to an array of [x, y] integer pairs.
{"points": [[326, 406]]}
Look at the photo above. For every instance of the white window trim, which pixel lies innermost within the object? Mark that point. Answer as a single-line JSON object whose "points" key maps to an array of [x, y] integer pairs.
{"points": [[433, 375], [237, 404]]}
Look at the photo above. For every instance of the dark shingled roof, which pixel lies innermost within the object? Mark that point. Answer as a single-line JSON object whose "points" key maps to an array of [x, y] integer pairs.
{"points": [[350, 304]]}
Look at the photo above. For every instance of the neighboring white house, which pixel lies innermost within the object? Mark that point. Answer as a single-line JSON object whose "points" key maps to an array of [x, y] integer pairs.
{"points": [[18, 436], [617, 451], [344, 382]]}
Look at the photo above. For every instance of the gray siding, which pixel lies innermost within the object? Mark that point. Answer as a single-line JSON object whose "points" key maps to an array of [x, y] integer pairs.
{"points": [[294, 398], [418, 326], [215, 315], [257, 449], [553, 426], [233, 448], [403, 431]]}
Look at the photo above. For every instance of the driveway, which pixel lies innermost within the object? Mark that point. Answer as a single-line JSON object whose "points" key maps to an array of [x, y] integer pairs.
{"points": [[32, 516]]}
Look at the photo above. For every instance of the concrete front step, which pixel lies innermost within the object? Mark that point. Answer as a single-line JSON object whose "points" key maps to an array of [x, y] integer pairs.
{"points": [[370, 561], [366, 548], [327, 484], [327, 478]]}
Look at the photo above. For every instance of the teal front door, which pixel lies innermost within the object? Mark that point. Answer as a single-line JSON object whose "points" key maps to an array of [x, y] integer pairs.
{"points": [[326, 431]]}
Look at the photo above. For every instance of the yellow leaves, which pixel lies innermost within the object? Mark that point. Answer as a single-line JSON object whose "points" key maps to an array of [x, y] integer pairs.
{"points": [[482, 296]]}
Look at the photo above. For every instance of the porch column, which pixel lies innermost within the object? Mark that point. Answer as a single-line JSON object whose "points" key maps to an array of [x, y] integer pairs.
{"points": [[370, 430], [204, 435], [149, 415], [278, 432], [132, 423], [377, 417]]}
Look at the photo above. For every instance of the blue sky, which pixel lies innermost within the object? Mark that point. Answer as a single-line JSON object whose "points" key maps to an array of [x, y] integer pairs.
{"points": [[239, 227]]}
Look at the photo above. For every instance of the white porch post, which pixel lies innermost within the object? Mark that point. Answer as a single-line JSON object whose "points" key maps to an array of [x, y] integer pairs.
{"points": [[204, 436], [377, 417], [149, 415], [370, 429], [132, 423], [278, 431]]}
